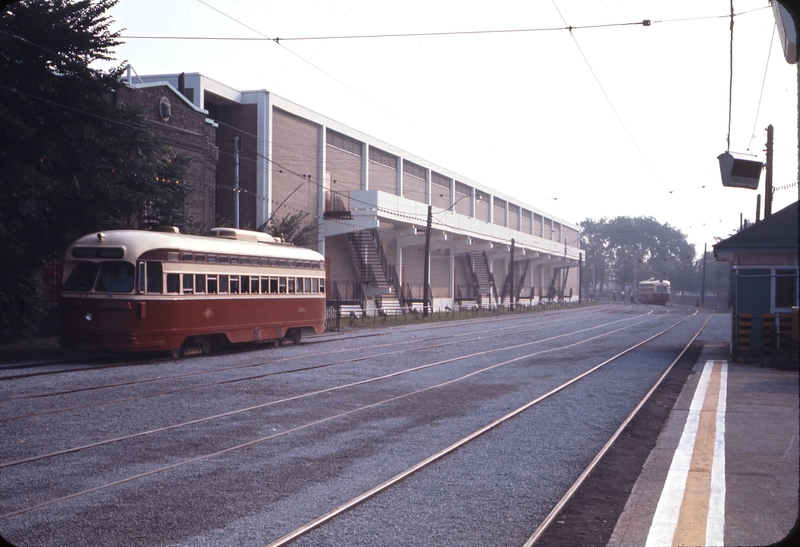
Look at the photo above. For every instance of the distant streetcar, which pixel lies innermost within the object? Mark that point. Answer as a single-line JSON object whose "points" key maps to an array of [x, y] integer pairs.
{"points": [[653, 291], [135, 290]]}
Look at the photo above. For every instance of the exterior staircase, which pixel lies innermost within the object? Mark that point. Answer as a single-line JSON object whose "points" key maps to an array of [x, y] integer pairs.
{"points": [[378, 278], [482, 279], [518, 275]]}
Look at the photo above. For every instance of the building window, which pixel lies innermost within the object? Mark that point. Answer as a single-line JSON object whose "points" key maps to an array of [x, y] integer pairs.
{"points": [[413, 169], [440, 180], [342, 142], [785, 288], [384, 158]]}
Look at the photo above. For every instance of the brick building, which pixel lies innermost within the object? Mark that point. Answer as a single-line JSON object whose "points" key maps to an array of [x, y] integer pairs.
{"points": [[190, 133]]}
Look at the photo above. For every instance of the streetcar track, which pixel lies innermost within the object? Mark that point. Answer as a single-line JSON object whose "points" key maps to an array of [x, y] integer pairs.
{"points": [[150, 359], [548, 520], [223, 369], [239, 367], [309, 394], [370, 406], [302, 530]]}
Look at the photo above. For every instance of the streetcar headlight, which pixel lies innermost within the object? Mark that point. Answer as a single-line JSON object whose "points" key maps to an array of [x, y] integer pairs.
{"points": [[88, 316]]}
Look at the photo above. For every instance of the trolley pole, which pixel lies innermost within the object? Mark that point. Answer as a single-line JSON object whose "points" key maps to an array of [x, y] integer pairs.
{"points": [[426, 270], [236, 181]]}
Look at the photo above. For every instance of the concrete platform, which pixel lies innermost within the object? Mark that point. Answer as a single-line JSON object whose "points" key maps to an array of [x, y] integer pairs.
{"points": [[724, 471]]}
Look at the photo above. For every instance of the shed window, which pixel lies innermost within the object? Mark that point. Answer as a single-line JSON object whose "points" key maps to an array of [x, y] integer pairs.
{"points": [[785, 288]]}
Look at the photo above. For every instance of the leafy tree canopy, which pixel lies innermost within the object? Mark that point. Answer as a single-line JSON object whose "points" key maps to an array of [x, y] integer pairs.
{"points": [[72, 161], [293, 229], [627, 249]]}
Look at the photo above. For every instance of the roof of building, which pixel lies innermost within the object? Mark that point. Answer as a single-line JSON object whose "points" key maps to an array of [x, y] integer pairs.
{"points": [[776, 234]]}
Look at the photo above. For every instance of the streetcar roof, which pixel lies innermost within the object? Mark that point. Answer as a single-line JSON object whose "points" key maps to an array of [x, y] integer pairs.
{"points": [[137, 242], [654, 282]]}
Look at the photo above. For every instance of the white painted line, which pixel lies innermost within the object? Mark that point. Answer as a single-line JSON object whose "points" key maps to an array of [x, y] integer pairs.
{"points": [[665, 520], [715, 526]]}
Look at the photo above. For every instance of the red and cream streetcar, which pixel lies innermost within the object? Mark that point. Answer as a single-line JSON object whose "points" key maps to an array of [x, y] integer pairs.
{"points": [[135, 290], [654, 291]]}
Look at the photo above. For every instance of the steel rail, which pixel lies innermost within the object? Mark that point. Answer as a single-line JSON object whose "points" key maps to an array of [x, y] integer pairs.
{"points": [[243, 378], [291, 398], [302, 530], [318, 339], [354, 411], [548, 520]]}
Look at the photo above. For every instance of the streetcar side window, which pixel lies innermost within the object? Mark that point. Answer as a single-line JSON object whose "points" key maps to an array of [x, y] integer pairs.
{"points": [[200, 283], [115, 277], [307, 284], [254, 285], [155, 280], [322, 285], [234, 286], [188, 283], [82, 277], [173, 282], [273, 285], [291, 285], [223, 284], [211, 286], [282, 285], [245, 285], [265, 285], [315, 285]]}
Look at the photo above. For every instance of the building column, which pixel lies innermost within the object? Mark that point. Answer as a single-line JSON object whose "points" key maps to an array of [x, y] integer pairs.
{"points": [[263, 165], [399, 176], [322, 169], [364, 166]]}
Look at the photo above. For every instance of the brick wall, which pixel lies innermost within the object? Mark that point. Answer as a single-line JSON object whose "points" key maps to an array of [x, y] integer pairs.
{"points": [[187, 133]]}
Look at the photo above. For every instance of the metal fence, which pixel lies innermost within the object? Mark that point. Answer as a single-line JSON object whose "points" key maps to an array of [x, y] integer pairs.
{"points": [[339, 317]]}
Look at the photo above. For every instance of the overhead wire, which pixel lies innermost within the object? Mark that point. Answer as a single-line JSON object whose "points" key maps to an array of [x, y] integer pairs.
{"points": [[610, 104], [761, 95], [304, 60], [265, 38]]}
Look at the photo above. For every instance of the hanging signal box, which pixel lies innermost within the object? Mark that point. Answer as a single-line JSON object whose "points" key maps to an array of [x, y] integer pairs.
{"points": [[739, 172]]}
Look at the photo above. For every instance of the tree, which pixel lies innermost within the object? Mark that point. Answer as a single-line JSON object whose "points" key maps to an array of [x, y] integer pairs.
{"points": [[292, 229], [72, 161], [625, 250]]}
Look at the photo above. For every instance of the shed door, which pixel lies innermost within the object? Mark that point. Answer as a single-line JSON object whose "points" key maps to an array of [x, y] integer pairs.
{"points": [[753, 293]]}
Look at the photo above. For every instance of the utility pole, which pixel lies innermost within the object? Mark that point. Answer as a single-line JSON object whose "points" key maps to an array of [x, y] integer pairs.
{"points": [[564, 276], [703, 286], [426, 270], [236, 181], [511, 273], [768, 182], [758, 208]]}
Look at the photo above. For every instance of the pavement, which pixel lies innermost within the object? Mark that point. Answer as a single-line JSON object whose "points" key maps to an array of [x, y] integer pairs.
{"points": [[724, 470]]}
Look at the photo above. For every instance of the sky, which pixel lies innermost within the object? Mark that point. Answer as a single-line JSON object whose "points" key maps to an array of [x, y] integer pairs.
{"points": [[610, 118]]}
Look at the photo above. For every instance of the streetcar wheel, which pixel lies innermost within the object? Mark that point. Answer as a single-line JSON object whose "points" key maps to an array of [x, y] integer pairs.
{"points": [[295, 336], [175, 353], [278, 342], [205, 345]]}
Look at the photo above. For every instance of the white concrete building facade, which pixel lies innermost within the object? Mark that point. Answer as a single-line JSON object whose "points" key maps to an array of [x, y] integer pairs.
{"points": [[370, 201]]}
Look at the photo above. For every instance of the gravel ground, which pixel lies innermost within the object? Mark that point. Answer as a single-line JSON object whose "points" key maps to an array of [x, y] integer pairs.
{"points": [[319, 450]]}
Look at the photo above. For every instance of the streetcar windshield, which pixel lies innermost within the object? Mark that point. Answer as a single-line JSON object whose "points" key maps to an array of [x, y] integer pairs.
{"points": [[115, 277], [82, 277], [106, 277]]}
